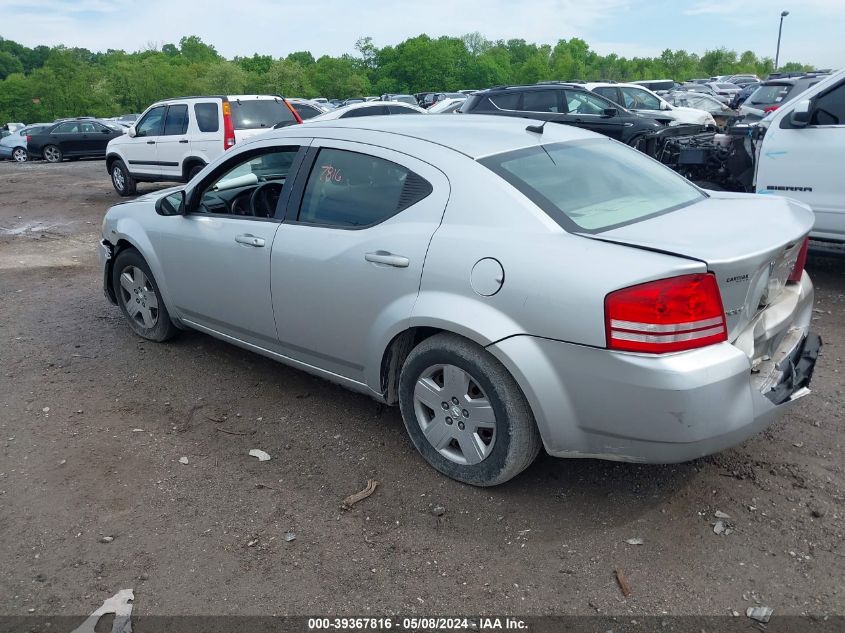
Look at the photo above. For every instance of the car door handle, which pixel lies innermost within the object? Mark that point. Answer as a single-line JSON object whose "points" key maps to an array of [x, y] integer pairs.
{"points": [[383, 257], [151, 142], [250, 240], [184, 140]]}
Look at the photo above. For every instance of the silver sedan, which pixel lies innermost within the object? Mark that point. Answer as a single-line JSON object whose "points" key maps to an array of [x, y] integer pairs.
{"points": [[510, 286]]}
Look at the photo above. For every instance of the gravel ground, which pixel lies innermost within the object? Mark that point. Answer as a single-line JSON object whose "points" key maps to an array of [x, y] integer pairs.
{"points": [[94, 422]]}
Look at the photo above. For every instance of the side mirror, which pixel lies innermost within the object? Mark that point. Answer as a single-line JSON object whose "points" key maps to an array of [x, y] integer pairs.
{"points": [[608, 113], [106, 131], [132, 132], [173, 204], [665, 106], [800, 116]]}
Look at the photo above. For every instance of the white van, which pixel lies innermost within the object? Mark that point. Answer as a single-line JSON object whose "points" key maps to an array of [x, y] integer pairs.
{"points": [[175, 138], [802, 155]]}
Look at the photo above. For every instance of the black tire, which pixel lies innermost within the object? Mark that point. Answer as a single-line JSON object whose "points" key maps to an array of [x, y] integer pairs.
{"points": [[52, 153], [193, 171], [517, 440], [123, 182], [162, 329]]}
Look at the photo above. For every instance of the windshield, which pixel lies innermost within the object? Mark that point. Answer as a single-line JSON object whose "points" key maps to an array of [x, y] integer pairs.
{"points": [[259, 113], [593, 186]]}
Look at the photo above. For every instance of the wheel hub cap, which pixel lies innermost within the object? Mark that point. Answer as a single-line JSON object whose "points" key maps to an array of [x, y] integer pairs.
{"points": [[139, 297], [454, 414]]}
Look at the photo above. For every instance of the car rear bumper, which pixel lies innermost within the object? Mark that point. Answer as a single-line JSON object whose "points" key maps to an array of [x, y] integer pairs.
{"points": [[592, 402], [5, 152]]}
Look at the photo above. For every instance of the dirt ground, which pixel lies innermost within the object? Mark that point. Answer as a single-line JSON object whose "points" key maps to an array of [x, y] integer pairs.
{"points": [[94, 421]]}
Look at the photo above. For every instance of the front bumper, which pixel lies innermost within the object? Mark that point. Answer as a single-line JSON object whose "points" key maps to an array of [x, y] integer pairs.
{"points": [[592, 402], [104, 255]]}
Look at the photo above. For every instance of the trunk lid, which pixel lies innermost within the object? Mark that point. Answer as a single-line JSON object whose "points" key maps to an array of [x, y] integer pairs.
{"points": [[749, 242]]}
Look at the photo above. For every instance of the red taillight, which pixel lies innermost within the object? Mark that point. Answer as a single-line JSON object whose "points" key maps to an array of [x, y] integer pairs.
{"points": [[228, 126], [770, 108], [293, 112], [798, 269], [28, 138], [668, 315]]}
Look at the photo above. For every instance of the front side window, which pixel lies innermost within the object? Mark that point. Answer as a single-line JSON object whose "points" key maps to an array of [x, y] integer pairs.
{"points": [[541, 101], [208, 117], [176, 121], [150, 125], [352, 190], [585, 103], [592, 186], [251, 186], [829, 109], [639, 99]]}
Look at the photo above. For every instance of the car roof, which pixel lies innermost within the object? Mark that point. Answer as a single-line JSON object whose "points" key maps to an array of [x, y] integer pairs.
{"points": [[606, 84], [552, 85], [474, 135]]}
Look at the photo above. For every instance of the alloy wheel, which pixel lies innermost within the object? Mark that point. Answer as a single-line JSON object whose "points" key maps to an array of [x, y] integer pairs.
{"points": [[19, 155], [455, 414], [139, 297], [118, 178], [52, 154]]}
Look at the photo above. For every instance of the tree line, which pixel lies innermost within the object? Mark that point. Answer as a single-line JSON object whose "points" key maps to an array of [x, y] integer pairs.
{"points": [[44, 83]]}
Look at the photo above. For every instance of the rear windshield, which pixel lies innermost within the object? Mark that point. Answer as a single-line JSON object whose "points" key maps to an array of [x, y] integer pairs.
{"points": [[596, 185], [259, 113], [770, 94]]}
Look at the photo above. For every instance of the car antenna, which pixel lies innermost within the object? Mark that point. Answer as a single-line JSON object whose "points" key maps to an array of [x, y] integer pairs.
{"points": [[539, 128]]}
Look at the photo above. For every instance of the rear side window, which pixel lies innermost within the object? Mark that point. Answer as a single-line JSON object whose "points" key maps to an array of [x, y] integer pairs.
{"points": [[66, 128], [306, 111], [593, 186], [353, 190], [176, 121], [829, 109], [259, 113], [396, 109], [368, 111], [208, 117], [770, 94], [506, 100]]}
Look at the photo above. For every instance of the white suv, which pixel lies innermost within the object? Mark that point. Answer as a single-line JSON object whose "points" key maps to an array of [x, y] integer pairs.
{"points": [[175, 138], [642, 100]]}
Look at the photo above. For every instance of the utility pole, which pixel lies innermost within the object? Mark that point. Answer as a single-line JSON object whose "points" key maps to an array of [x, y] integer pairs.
{"points": [[783, 14]]}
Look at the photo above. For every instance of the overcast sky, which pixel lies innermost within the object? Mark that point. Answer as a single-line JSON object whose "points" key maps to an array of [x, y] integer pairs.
{"points": [[813, 32]]}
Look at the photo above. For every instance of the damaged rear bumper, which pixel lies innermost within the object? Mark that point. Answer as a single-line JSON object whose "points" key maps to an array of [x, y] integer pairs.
{"points": [[592, 402]]}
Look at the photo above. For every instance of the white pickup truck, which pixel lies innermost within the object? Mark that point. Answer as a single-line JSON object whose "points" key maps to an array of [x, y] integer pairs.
{"points": [[802, 155]]}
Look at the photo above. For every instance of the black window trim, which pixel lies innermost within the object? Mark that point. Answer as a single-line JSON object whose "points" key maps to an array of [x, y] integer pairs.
{"points": [[281, 207], [306, 169]]}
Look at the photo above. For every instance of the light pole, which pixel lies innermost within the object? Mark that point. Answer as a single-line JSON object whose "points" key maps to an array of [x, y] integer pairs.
{"points": [[783, 14]]}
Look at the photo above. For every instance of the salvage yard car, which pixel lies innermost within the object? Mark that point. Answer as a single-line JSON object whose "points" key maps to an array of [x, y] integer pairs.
{"points": [[74, 138], [569, 104], [641, 99], [14, 146], [508, 285], [175, 138]]}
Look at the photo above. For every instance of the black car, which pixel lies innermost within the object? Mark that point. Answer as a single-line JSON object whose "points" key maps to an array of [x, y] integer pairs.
{"points": [[76, 138], [563, 103]]}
